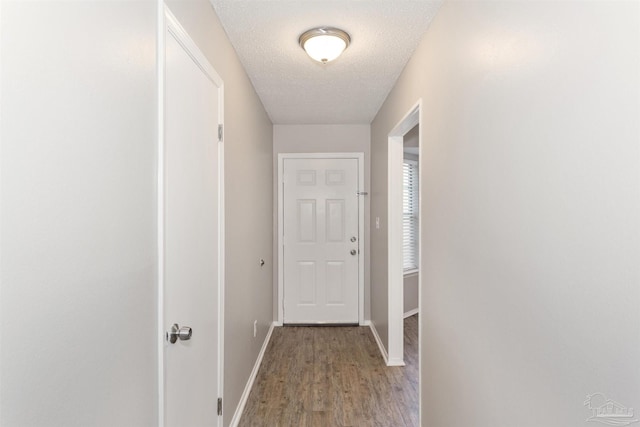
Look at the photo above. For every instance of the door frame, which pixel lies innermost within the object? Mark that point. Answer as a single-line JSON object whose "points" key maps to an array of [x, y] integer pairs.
{"points": [[394, 205], [360, 158], [167, 22]]}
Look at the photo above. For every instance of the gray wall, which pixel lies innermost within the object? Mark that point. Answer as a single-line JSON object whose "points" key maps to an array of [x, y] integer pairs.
{"points": [[248, 201], [531, 210], [321, 139], [78, 209], [78, 233], [411, 292], [411, 139]]}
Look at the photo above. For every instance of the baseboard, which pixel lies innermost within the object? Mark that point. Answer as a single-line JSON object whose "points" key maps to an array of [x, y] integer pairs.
{"points": [[396, 362], [385, 356], [411, 312], [254, 373]]}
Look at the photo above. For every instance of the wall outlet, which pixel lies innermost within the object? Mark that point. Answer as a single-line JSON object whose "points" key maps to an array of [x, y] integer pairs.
{"points": [[255, 328]]}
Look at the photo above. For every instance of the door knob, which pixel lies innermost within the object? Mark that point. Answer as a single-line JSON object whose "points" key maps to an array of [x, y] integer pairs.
{"points": [[176, 332], [353, 252], [353, 239]]}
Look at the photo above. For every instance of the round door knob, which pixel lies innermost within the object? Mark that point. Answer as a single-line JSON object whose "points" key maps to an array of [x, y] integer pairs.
{"points": [[172, 334], [176, 332], [353, 252], [185, 333]]}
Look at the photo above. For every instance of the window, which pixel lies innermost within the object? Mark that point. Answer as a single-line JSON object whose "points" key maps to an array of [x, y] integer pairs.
{"points": [[410, 215]]}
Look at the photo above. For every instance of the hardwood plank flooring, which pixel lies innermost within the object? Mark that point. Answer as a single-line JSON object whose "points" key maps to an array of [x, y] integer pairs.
{"points": [[333, 377]]}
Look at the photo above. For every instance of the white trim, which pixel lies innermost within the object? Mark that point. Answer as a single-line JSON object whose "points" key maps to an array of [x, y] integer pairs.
{"points": [[160, 53], [167, 23], [411, 313], [374, 331], [394, 207], [279, 297], [254, 373], [362, 241], [221, 251], [190, 47], [1, 222], [412, 272], [361, 166], [383, 352], [421, 276], [395, 273], [1, 229]]}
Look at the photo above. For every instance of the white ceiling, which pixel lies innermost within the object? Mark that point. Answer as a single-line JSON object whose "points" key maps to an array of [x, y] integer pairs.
{"points": [[297, 90]]}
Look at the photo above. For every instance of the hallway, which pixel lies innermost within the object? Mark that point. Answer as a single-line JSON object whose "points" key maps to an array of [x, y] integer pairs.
{"points": [[333, 376], [528, 195]]}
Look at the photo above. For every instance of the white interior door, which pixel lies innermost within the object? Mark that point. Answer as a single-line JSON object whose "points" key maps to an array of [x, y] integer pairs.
{"points": [[191, 234], [321, 240]]}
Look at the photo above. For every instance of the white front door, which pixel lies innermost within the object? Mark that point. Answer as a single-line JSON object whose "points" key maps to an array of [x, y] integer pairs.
{"points": [[321, 240], [191, 235]]}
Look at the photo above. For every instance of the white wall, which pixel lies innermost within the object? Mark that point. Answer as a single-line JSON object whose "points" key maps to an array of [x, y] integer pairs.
{"points": [[321, 139], [531, 210], [78, 244], [248, 201]]}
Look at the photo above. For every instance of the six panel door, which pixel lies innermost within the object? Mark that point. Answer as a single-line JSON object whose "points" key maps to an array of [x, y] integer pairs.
{"points": [[321, 241]]}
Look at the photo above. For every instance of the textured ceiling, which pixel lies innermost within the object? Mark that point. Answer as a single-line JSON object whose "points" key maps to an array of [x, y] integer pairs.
{"points": [[297, 90]]}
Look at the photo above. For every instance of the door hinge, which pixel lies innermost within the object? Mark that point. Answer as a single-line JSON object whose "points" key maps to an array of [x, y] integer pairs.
{"points": [[219, 406], [220, 133]]}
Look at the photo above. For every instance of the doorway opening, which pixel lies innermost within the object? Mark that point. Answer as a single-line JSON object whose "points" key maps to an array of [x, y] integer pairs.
{"points": [[404, 145]]}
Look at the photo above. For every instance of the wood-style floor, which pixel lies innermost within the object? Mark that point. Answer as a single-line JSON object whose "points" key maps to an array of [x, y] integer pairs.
{"points": [[333, 377]]}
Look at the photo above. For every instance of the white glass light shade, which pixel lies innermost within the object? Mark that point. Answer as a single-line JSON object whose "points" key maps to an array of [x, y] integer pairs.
{"points": [[324, 44]]}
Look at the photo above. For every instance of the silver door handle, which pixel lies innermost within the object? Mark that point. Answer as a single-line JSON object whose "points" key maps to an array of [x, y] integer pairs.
{"points": [[176, 332], [353, 252], [353, 238]]}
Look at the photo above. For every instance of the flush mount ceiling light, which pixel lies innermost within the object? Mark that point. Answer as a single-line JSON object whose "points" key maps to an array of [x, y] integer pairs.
{"points": [[324, 44]]}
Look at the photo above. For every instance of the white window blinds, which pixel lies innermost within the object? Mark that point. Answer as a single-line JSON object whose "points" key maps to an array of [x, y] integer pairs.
{"points": [[410, 215]]}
